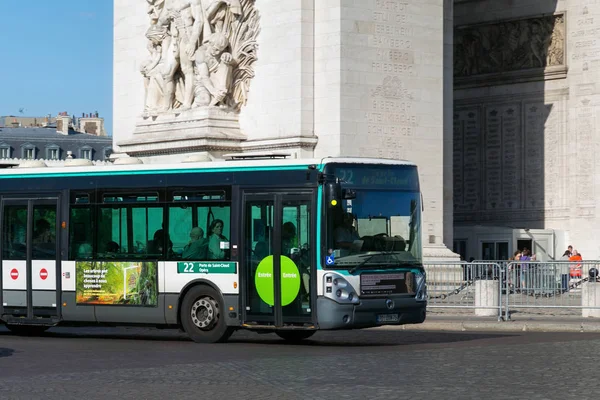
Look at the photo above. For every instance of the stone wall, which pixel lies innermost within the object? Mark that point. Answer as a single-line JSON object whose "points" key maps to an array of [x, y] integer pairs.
{"points": [[526, 102]]}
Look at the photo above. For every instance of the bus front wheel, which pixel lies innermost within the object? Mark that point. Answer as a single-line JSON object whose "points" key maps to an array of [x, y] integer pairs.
{"points": [[202, 316], [295, 336]]}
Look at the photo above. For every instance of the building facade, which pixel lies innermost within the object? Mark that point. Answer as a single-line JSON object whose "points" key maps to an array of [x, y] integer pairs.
{"points": [[496, 101], [526, 108], [51, 146], [90, 123]]}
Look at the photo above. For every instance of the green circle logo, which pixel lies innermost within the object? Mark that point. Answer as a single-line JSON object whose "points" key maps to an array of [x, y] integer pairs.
{"points": [[290, 281]]}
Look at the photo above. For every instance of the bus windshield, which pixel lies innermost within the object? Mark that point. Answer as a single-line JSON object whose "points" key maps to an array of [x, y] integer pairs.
{"points": [[377, 222]]}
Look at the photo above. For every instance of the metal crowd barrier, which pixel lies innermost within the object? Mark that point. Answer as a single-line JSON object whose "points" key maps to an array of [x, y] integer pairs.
{"points": [[564, 285], [476, 285], [500, 288]]}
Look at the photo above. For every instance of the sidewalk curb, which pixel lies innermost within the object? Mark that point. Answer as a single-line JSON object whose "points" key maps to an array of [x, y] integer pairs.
{"points": [[502, 326]]}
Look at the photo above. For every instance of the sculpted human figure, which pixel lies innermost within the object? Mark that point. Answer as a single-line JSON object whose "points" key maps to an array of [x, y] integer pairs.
{"points": [[185, 18], [195, 49], [154, 9], [213, 72], [536, 43], [220, 12], [158, 45]]}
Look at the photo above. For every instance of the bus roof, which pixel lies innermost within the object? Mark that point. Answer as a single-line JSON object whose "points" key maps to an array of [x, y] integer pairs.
{"points": [[228, 165]]}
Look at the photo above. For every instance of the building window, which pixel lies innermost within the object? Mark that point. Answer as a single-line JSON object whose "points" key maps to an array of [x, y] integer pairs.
{"points": [[53, 153], [5, 152], [28, 153], [85, 153]]}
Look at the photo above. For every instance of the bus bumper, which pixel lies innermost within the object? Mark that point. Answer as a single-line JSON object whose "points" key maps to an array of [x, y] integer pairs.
{"points": [[370, 312]]}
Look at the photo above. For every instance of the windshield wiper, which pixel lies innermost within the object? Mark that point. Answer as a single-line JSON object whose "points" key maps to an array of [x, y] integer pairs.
{"points": [[363, 262]]}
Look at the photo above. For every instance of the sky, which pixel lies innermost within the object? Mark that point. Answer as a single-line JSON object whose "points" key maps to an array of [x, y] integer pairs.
{"points": [[56, 56]]}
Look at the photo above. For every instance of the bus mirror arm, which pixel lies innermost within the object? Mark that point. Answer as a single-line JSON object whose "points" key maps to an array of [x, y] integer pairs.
{"points": [[348, 194]]}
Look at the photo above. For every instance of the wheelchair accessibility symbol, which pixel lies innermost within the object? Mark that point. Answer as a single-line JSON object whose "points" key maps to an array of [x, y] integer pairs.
{"points": [[330, 260]]}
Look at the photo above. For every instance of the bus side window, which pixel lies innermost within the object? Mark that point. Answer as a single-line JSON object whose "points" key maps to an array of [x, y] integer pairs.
{"points": [[180, 227], [131, 225], [80, 233], [200, 232]]}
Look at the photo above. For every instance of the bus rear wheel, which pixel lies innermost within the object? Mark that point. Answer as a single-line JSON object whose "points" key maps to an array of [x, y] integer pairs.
{"points": [[27, 330], [202, 316], [295, 336]]}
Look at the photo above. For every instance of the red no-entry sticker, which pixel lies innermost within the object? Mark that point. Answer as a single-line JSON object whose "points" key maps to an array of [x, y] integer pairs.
{"points": [[14, 273], [43, 274]]}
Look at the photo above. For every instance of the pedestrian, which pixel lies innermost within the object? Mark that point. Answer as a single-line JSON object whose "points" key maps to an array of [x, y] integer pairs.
{"points": [[575, 269]]}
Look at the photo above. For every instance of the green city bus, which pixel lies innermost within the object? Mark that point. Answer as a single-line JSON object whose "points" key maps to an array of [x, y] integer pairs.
{"points": [[265, 244]]}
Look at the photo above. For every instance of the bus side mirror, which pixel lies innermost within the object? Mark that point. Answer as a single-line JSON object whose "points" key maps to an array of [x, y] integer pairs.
{"points": [[333, 193]]}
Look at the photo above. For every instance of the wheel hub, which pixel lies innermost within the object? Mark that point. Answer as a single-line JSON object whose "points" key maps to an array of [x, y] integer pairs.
{"points": [[204, 312]]}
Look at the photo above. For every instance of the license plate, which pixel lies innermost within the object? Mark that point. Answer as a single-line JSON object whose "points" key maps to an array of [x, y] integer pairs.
{"points": [[388, 318]]}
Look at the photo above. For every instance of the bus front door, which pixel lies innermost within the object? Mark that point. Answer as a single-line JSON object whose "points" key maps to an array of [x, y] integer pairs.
{"points": [[278, 259], [29, 260]]}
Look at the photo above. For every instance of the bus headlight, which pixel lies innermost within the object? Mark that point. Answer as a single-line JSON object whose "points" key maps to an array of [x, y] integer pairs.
{"points": [[420, 280], [338, 289]]}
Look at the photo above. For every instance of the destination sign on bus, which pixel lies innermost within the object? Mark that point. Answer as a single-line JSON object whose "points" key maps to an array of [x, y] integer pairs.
{"points": [[206, 267], [396, 177]]}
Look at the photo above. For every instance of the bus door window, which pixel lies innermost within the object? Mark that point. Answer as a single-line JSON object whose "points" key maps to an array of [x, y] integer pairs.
{"points": [[258, 246], [44, 232], [14, 233], [295, 239]]}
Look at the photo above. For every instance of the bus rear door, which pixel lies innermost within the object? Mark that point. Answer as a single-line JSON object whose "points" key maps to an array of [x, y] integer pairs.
{"points": [[30, 260]]}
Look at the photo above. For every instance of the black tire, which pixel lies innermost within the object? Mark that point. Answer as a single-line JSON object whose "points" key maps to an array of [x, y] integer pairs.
{"points": [[27, 330], [202, 316], [295, 336], [422, 316]]}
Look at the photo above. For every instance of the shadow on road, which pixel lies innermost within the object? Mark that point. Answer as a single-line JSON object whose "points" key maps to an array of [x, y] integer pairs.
{"points": [[4, 352], [354, 338], [368, 338]]}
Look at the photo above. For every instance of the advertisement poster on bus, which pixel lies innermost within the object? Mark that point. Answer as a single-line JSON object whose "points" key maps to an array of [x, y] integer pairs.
{"points": [[117, 283]]}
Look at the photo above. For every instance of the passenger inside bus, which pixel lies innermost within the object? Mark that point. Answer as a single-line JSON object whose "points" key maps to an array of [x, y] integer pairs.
{"points": [[216, 241], [42, 233], [44, 240], [289, 241], [156, 245], [291, 249], [84, 251], [197, 247], [261, 250], [112, 249], [345, 234]]}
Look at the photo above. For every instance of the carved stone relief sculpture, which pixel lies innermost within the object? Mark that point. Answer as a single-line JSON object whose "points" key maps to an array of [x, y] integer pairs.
{"points": [[509, 46], [201, 53]]}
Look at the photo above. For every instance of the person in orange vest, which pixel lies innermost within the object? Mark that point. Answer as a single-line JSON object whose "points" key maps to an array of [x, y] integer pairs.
{"points": [[575, 270]]}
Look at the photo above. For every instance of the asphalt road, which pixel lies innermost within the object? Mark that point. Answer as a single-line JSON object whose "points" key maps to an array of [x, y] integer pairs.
{"points": [[88, 364]]}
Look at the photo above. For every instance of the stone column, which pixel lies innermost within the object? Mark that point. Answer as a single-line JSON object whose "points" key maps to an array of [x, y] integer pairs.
{"points": [[380, 93], [590, 297], [487, 297], [448, 203]]}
